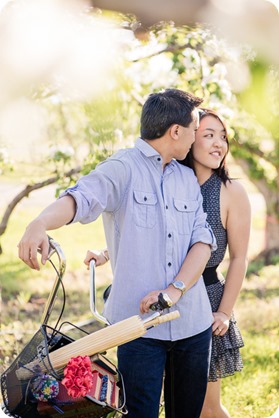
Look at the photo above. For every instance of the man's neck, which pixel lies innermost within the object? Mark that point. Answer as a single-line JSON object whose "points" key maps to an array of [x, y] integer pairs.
{"points": [[160, 146]]}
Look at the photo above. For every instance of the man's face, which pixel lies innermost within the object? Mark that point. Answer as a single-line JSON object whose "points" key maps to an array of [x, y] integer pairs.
{"points": [[186, 137]]}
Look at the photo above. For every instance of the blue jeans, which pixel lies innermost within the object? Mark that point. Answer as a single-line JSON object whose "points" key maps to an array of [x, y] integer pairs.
{"points": [[143, 363]]}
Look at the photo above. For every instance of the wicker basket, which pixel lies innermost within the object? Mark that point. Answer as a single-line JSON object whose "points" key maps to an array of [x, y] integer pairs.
{"points": [[17, 396]]}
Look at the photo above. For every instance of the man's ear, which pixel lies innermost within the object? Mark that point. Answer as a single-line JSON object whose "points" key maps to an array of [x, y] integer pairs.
{"points": [[174, 131]]}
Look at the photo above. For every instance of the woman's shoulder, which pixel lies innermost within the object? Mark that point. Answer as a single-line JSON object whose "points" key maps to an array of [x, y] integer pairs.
{"points": [[235, 188], [235, 193]]}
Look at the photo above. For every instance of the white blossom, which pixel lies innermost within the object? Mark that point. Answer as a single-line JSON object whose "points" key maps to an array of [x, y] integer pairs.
{"points": [[66, 150], [4, 156], [192, 58]]}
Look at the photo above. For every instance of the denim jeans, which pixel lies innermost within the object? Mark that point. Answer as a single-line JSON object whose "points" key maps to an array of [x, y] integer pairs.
{"points": [[185, 363]]}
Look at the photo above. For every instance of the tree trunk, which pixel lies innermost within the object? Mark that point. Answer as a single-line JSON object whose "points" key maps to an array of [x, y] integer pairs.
{"points": [[272, 238], [25, 193]]}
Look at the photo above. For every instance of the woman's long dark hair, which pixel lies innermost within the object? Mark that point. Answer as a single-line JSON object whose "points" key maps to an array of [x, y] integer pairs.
{"points": [[222, 170]]}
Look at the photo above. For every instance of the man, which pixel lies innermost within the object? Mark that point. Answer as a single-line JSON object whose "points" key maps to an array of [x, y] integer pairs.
{"points": [[158, 241]]}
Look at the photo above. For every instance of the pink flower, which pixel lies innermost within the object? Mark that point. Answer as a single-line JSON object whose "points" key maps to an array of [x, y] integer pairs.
{"points": [[78, 376]]}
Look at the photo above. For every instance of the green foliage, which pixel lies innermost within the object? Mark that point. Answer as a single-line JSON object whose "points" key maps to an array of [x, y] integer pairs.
{"points": [[93, 159], [261, 97], [254, 267]]}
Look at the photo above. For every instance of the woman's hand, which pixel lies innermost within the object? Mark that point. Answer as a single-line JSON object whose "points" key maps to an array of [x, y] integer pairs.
{"points": [[100, 257], [220, 324]]}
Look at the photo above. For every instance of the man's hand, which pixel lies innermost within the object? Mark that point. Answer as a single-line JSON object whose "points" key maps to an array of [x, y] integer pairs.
{"points": [[57, 214], [152, 297], [35, 238]]}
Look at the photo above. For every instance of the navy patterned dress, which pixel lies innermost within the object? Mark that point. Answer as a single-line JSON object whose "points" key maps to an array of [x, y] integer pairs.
{"points": [[225, 358]]}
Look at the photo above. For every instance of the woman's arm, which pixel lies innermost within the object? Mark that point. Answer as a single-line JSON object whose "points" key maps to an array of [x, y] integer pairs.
{"points": [[235, 204]]}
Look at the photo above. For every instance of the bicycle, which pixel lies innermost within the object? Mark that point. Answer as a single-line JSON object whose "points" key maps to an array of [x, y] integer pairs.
{"points": [[43, 361]]}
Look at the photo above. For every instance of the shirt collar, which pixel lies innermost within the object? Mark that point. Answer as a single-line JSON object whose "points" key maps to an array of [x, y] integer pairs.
{"points": [[149, 151], [145, 148]]}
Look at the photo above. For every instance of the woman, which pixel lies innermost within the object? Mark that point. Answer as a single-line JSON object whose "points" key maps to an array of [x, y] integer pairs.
{"points": [[229, 213]]}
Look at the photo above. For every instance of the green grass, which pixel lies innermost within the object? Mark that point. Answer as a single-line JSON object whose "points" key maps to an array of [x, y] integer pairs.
{"points": [[253, 393]]}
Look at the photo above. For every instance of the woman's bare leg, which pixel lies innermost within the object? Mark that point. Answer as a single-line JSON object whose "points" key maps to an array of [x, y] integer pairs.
{"points": [[212, 407]]}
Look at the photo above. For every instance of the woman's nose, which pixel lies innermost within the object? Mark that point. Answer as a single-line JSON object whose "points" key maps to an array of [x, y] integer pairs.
{"points": [[218, 142]]}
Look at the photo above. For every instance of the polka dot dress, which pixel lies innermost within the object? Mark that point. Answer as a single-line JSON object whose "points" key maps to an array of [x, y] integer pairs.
{"points": [[225, 358]]}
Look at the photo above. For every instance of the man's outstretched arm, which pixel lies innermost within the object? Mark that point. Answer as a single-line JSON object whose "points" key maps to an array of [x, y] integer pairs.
{"points": [[58, 214]]}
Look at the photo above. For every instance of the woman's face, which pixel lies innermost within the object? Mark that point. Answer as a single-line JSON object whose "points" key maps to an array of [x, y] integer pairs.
{"points": [[211, 144]]}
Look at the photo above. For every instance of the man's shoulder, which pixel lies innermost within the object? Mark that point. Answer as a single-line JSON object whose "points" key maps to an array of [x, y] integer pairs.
{"points": [[122, 154]]}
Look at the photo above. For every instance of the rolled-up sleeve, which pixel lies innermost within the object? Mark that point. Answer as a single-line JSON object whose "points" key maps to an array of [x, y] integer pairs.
{"points": [[101, 190], [202, 231]]}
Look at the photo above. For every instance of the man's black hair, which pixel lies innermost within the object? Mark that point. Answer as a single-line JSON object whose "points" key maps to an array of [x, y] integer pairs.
{"points": [[161, 110]]}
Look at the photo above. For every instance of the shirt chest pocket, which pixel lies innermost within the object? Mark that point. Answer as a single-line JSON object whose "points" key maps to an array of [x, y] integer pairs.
{"points": [[186, 211], [145, 205]]}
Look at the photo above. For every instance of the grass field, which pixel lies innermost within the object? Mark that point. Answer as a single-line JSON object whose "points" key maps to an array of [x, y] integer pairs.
{"points": [[253, 393]]}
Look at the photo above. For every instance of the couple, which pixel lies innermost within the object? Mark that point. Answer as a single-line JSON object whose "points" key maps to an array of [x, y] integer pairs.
{"points": [[159, 241]]}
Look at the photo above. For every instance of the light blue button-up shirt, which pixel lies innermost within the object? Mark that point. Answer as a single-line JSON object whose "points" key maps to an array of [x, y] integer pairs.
{"points": [[151, 219]]}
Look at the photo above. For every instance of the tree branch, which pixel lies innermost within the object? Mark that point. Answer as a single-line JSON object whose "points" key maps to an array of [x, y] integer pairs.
{"points": [[25, 193]]}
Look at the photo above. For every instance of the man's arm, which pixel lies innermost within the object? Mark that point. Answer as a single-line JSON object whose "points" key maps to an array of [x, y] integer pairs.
{"points": [[58, 214], [192, 267], [190, 272]]}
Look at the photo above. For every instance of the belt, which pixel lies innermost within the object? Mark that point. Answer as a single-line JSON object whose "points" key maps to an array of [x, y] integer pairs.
{"points": [[210, 275]]}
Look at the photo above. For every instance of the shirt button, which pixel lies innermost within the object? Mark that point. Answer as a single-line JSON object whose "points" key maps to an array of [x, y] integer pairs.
{"points": [[169, 264], [145, 198], [185, 207], [169, 235], [158, 159], [167, 207]]}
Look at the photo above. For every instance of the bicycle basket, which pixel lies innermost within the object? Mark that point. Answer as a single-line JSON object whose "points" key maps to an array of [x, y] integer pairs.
{"points": [[17, 393]]}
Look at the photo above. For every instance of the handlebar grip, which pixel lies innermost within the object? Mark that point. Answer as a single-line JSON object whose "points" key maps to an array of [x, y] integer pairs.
{"points": [[162, 318], [164, 302]]}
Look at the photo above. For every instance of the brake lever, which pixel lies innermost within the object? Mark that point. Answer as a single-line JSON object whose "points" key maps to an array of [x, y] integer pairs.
{"points": [[164, 302]]}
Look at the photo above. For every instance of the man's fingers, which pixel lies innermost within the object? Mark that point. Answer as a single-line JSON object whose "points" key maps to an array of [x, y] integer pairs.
{"points": [[34, 259], [27, 256], [44, 250], [28, 252]]}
